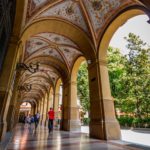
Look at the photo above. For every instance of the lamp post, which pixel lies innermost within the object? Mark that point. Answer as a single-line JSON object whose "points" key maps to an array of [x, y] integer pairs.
{"points": [[31, 67], [25, 87]]}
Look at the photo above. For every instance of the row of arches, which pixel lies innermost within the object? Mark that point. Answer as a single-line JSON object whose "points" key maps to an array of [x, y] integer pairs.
{"points": [[103, 124]]}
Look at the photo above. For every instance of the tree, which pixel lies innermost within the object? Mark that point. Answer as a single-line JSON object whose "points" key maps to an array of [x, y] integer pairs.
{"points": [[117, 75], [138, 73], [82, 87], [130, 77]]}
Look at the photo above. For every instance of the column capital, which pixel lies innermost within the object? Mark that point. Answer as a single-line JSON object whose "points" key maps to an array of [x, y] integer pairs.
{"points": [[102, 62], [73, 82], [97, 61], [57, 94]]}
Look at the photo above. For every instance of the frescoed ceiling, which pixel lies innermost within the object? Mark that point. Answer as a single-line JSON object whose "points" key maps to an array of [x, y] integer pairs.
{"points": [[89, 15], [55, 53], [47, 49]]}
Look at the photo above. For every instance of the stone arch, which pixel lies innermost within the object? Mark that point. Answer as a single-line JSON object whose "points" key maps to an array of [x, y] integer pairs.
{"points": [[57, 101], [57, 96], [33, 104], [62, 28], [112, 28], [73, 81], [110, 130], [70, 110]]}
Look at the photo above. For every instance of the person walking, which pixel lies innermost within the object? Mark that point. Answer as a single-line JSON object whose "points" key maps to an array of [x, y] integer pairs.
{"points": [[36, 119], [50, 119]]}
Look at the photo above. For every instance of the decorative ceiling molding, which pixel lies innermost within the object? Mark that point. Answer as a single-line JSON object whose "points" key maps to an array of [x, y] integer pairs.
{"points": [[57, 53], [67, 10], [89, 15], [99, 12]]}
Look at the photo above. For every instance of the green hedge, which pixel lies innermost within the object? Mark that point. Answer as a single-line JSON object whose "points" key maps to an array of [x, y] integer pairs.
{"points": [[126, 121]]}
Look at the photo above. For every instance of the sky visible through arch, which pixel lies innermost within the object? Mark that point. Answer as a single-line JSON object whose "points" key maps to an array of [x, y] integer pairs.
{"points": [[137, 25]]}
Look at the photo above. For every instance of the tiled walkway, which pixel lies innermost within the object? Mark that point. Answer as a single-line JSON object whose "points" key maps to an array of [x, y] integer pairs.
{"points": [[25, 138]]}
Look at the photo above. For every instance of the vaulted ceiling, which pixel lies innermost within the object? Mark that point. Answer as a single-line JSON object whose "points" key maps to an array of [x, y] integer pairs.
{"points": [[57, 53]]}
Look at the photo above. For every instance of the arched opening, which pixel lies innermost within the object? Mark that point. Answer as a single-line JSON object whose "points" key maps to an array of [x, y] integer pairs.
{"points": [[25, 110], [115, 66], [58, 104], [83, 99], [80, 92]]}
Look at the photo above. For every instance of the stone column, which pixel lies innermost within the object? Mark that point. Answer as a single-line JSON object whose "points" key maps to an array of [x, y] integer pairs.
{"points": [[48, 102], [44, 110], [70, 114], [51, 99], [56, 105], [41, 110], [38, 106], [7, 78], [32, 110], [103, 124], [16, 113], [13, 103], [47, 108]]}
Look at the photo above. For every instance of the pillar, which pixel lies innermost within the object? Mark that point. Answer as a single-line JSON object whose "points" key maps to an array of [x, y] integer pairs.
{"points": [[70, 114], [12, 107], [41, 110], [16, 113], [44, 119], [7, 78], [103, 124], [56, 105]]}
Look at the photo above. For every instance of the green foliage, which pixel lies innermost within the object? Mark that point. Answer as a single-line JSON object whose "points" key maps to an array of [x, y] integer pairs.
{"points": [[83, 87], [130, 77], [125, 121], [129, 80], [86, 121], [137, 80]]}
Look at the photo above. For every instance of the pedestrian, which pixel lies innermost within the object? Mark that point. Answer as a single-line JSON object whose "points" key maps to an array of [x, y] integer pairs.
{"points": [[32, 119], [27, 121], [50, 119], [36, 119]]}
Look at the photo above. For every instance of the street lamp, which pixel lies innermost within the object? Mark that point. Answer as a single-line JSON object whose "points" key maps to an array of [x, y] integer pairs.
{"points": [[25, 87], [31, 67]]}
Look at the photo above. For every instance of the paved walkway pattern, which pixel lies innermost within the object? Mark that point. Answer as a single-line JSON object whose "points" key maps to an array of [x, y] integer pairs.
{"points": [[25, 138]]}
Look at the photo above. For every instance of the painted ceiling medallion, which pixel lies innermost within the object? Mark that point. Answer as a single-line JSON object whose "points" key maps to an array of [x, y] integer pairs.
{"points": [[70, 9], [57, 39], [96, 5]]}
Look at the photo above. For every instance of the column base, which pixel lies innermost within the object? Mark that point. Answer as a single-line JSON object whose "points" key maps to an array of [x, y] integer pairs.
{"points": [[44, 122], [71, 125], [3, 129], [113, 130], [108, 130]]}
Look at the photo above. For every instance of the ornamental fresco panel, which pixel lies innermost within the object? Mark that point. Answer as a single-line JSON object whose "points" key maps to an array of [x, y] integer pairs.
{"points": [[100, 11], [68, 10], [70, 53], [48, 52], [33, 44], [57, 39], [34, 6]]}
